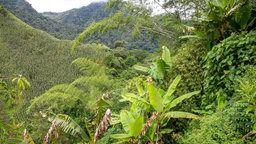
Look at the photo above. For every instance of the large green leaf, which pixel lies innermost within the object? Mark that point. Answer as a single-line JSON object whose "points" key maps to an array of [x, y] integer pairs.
{"points": [[171, 89], [166, 55], [141, 68], [160, 69], [180, 99], [136, 126], [243, 15], [155, 98], [136, 100], [124, 137], [179, 114], [127, 120]]}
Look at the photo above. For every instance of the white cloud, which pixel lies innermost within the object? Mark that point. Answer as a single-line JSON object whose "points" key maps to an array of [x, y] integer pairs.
{"points": [[59, 5]]}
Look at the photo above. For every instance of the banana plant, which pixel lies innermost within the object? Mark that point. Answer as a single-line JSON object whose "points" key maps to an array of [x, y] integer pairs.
{"points": [[151, 110], [89, 133], [158, 70]]}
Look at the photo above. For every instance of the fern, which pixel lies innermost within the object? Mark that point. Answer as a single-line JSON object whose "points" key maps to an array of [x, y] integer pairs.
{"points": [[99, 27]]}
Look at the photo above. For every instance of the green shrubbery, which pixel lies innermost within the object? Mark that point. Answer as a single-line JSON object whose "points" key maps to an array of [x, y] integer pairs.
{"points": [[225, 62]]}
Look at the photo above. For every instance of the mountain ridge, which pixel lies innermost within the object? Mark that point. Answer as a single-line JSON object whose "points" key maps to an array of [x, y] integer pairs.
{"points": [[24, 11]]}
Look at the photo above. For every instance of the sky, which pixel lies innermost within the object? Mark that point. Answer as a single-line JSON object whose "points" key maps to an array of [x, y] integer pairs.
{"points": [[59, 5]]}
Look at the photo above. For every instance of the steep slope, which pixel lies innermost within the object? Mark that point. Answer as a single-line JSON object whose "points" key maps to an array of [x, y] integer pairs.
{"points": [[40, 57], [67, 25], [24, 11], [82, 16]]}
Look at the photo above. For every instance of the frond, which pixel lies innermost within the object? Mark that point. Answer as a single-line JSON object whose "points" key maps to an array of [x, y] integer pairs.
{"points": [[27, 138], [103, 126], [87, 67], [67, 89], [56, 101], [68, 125], [99, 27]]}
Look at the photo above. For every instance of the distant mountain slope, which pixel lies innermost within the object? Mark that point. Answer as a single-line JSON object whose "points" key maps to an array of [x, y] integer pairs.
{"points": [[24, 11], [67, 25], [82, 16], [35, 54]]}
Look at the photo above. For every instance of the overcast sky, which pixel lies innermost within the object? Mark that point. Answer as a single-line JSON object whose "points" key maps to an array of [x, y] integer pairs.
{"points": [[59, 5]]}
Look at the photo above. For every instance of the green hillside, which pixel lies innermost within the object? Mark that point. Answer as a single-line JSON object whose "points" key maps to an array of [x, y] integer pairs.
{"points": [[84, 16], [200, 87], [81, 16], [67, 25], [24, 11], [40, 57], [47, 61]]}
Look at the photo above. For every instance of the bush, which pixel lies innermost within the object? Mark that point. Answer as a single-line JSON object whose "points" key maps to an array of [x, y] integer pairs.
{"points": [[226, 61], [213, 129]]}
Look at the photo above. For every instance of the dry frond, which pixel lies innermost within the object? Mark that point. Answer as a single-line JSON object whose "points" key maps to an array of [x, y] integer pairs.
{"points": [[148, 124], [27, 138], [51, 130], [103, 126]]}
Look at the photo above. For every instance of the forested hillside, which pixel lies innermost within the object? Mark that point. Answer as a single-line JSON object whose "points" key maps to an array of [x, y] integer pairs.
{"points": [[67, 25], [24, 11], [198, 87], [81, 16]]}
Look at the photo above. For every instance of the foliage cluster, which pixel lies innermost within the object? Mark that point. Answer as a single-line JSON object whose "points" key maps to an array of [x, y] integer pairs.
{"points": [[225, 62], [81, 85]]}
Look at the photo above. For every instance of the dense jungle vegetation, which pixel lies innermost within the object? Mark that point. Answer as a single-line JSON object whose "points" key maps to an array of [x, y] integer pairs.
{"points": [[193, 80]]}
